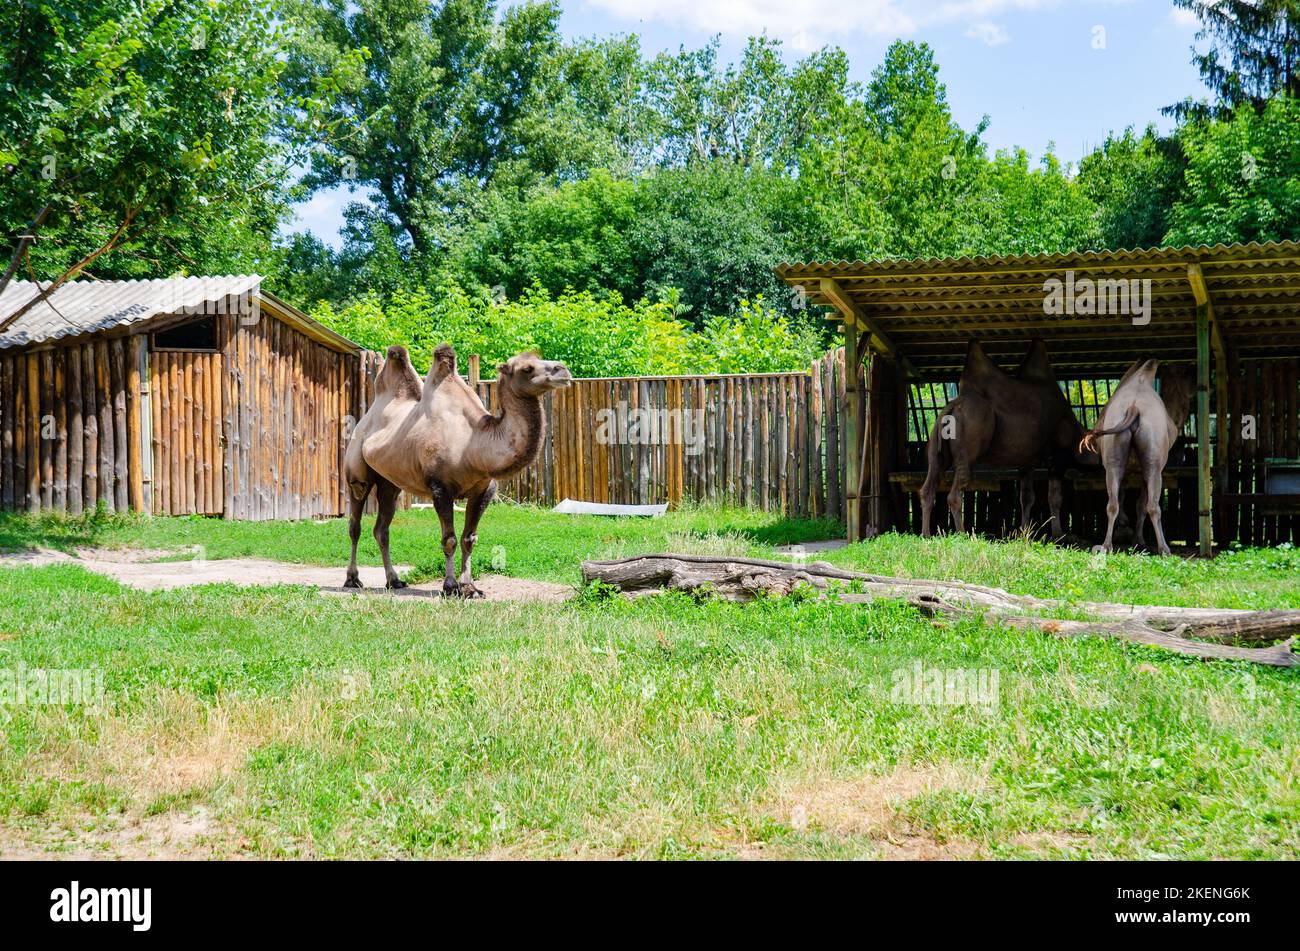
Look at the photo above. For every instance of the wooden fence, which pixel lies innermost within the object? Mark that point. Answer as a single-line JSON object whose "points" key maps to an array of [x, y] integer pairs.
{"points": [[774, 441]]}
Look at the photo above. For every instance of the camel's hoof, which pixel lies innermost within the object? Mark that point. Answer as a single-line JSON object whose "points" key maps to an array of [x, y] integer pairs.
{"points": [[468, 592], [450, 589], [395, 584], [353, 583], [1099, 550]]}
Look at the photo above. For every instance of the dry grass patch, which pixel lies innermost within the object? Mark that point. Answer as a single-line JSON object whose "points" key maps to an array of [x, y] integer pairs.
{"points": [[872, 808], [170, 744]]}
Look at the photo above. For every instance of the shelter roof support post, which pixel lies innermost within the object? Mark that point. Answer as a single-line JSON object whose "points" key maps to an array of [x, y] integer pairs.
{"points": [[886, 396], [853, 433], [1204, 476]]}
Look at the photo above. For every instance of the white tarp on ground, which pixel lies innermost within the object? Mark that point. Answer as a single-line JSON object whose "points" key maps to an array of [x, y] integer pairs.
{"points": [[572, 507]]}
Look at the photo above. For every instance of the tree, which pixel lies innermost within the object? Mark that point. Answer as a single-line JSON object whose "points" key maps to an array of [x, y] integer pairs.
{"points": [[1253, 55], [454, 101], [1243, 178], [891, 173], [129, 131], [757, 113], [712, 231], [1133, 180], [573, 237]]}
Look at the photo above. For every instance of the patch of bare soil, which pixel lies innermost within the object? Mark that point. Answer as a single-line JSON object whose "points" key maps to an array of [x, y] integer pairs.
{"points": [[871, 807], [170, 835], [138, 568]]}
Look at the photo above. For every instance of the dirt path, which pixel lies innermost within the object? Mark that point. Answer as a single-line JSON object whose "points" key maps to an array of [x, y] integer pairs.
{"points": [[132, 568]]}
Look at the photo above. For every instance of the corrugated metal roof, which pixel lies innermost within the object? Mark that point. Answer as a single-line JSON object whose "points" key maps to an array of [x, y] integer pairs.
{"points": [[1077, 259], [80, 307], [930, 308]]}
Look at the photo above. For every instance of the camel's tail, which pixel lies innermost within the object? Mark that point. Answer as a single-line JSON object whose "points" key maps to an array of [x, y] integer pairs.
{"points": [[1089, 441]]}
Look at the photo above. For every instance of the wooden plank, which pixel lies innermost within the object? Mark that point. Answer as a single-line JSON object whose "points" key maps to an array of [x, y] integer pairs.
{"points": [[47, 428], [20, 432], [90, 422], [134, 423], [121, 449], [33, 428], [7, 406], [60, 410], [107, 441], [74, 436]]}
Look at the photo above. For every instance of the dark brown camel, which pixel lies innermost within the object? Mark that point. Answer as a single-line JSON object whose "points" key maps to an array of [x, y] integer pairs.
{"points": [[1140, 425], [1003, 421]]}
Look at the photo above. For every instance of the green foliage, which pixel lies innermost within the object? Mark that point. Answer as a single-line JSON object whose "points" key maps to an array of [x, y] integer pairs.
{"points": [[1253, 54], [1133, 180], [136, 126], [1243, 178], [594, 335], [454, 98]]}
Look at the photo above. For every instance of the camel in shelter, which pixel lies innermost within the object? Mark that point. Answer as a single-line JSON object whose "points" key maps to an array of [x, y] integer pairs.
{"points": [[1140, 425], [1002, 421], [434, 437]]}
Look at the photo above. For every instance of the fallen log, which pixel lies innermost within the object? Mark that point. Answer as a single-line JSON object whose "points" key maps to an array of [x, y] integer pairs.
{"points": [[1214, 633]]}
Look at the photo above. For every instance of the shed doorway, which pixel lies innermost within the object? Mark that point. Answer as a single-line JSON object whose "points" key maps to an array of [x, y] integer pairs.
{"points": [[186, 412]]}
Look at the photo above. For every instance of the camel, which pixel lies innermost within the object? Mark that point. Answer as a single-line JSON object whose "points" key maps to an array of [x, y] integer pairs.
{"points": [[1140, 424], [1002, 421], [436, 438]]}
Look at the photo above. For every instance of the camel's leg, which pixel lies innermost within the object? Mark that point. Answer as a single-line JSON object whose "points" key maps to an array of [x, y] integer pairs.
{"points": [[1155, 483], [474, 509], [1055, 497], [444, 505], [1139, 534], [1026, 498], [956, 495], [930, 487], [357, 494], [386, 497], [927, 494], [1114, 480]]}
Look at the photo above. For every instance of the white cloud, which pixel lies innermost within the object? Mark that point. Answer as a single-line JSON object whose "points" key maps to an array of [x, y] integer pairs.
{"points": [[990, 34], [808, 24], [1184, 19]]}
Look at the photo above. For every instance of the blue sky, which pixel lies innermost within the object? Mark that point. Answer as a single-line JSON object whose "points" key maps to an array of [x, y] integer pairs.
{"points": [[1044, 71]]}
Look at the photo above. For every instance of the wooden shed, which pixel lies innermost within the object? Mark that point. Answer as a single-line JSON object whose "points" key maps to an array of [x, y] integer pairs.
{"points": [[202, 395], [1231, 310]]}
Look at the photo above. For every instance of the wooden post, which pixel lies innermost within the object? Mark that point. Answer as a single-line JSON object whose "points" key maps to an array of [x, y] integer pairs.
{"points": [[1203, 472], [853, 442], [137, 446], [473, 370]]}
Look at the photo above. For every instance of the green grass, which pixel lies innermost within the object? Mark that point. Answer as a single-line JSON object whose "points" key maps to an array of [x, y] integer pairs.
{"points": [[303, 724]]}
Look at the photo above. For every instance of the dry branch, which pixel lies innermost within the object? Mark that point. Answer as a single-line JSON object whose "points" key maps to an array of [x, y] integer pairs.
{"points": [[1200, 632]]}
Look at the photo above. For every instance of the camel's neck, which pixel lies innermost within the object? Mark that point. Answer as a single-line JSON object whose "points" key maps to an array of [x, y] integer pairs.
{"points": [[509, 441]]}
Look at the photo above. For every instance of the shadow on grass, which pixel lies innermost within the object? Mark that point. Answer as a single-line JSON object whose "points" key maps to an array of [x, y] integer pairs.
{"points": [[21, 531], [787, 531]]}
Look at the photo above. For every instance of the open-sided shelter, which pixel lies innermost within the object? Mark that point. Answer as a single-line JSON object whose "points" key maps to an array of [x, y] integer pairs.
{"points": [[1232, 310]]}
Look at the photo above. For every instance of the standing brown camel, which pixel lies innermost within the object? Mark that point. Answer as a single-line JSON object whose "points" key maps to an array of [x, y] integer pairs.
{"points": [[436, 438], [1139, 423], [1003, 421]]}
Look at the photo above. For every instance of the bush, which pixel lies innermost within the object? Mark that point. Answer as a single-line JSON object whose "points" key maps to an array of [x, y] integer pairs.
{"points": [[594, 334]]}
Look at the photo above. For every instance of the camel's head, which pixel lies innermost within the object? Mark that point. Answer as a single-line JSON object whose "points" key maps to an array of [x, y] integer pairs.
{"points": [[527, 374]]}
